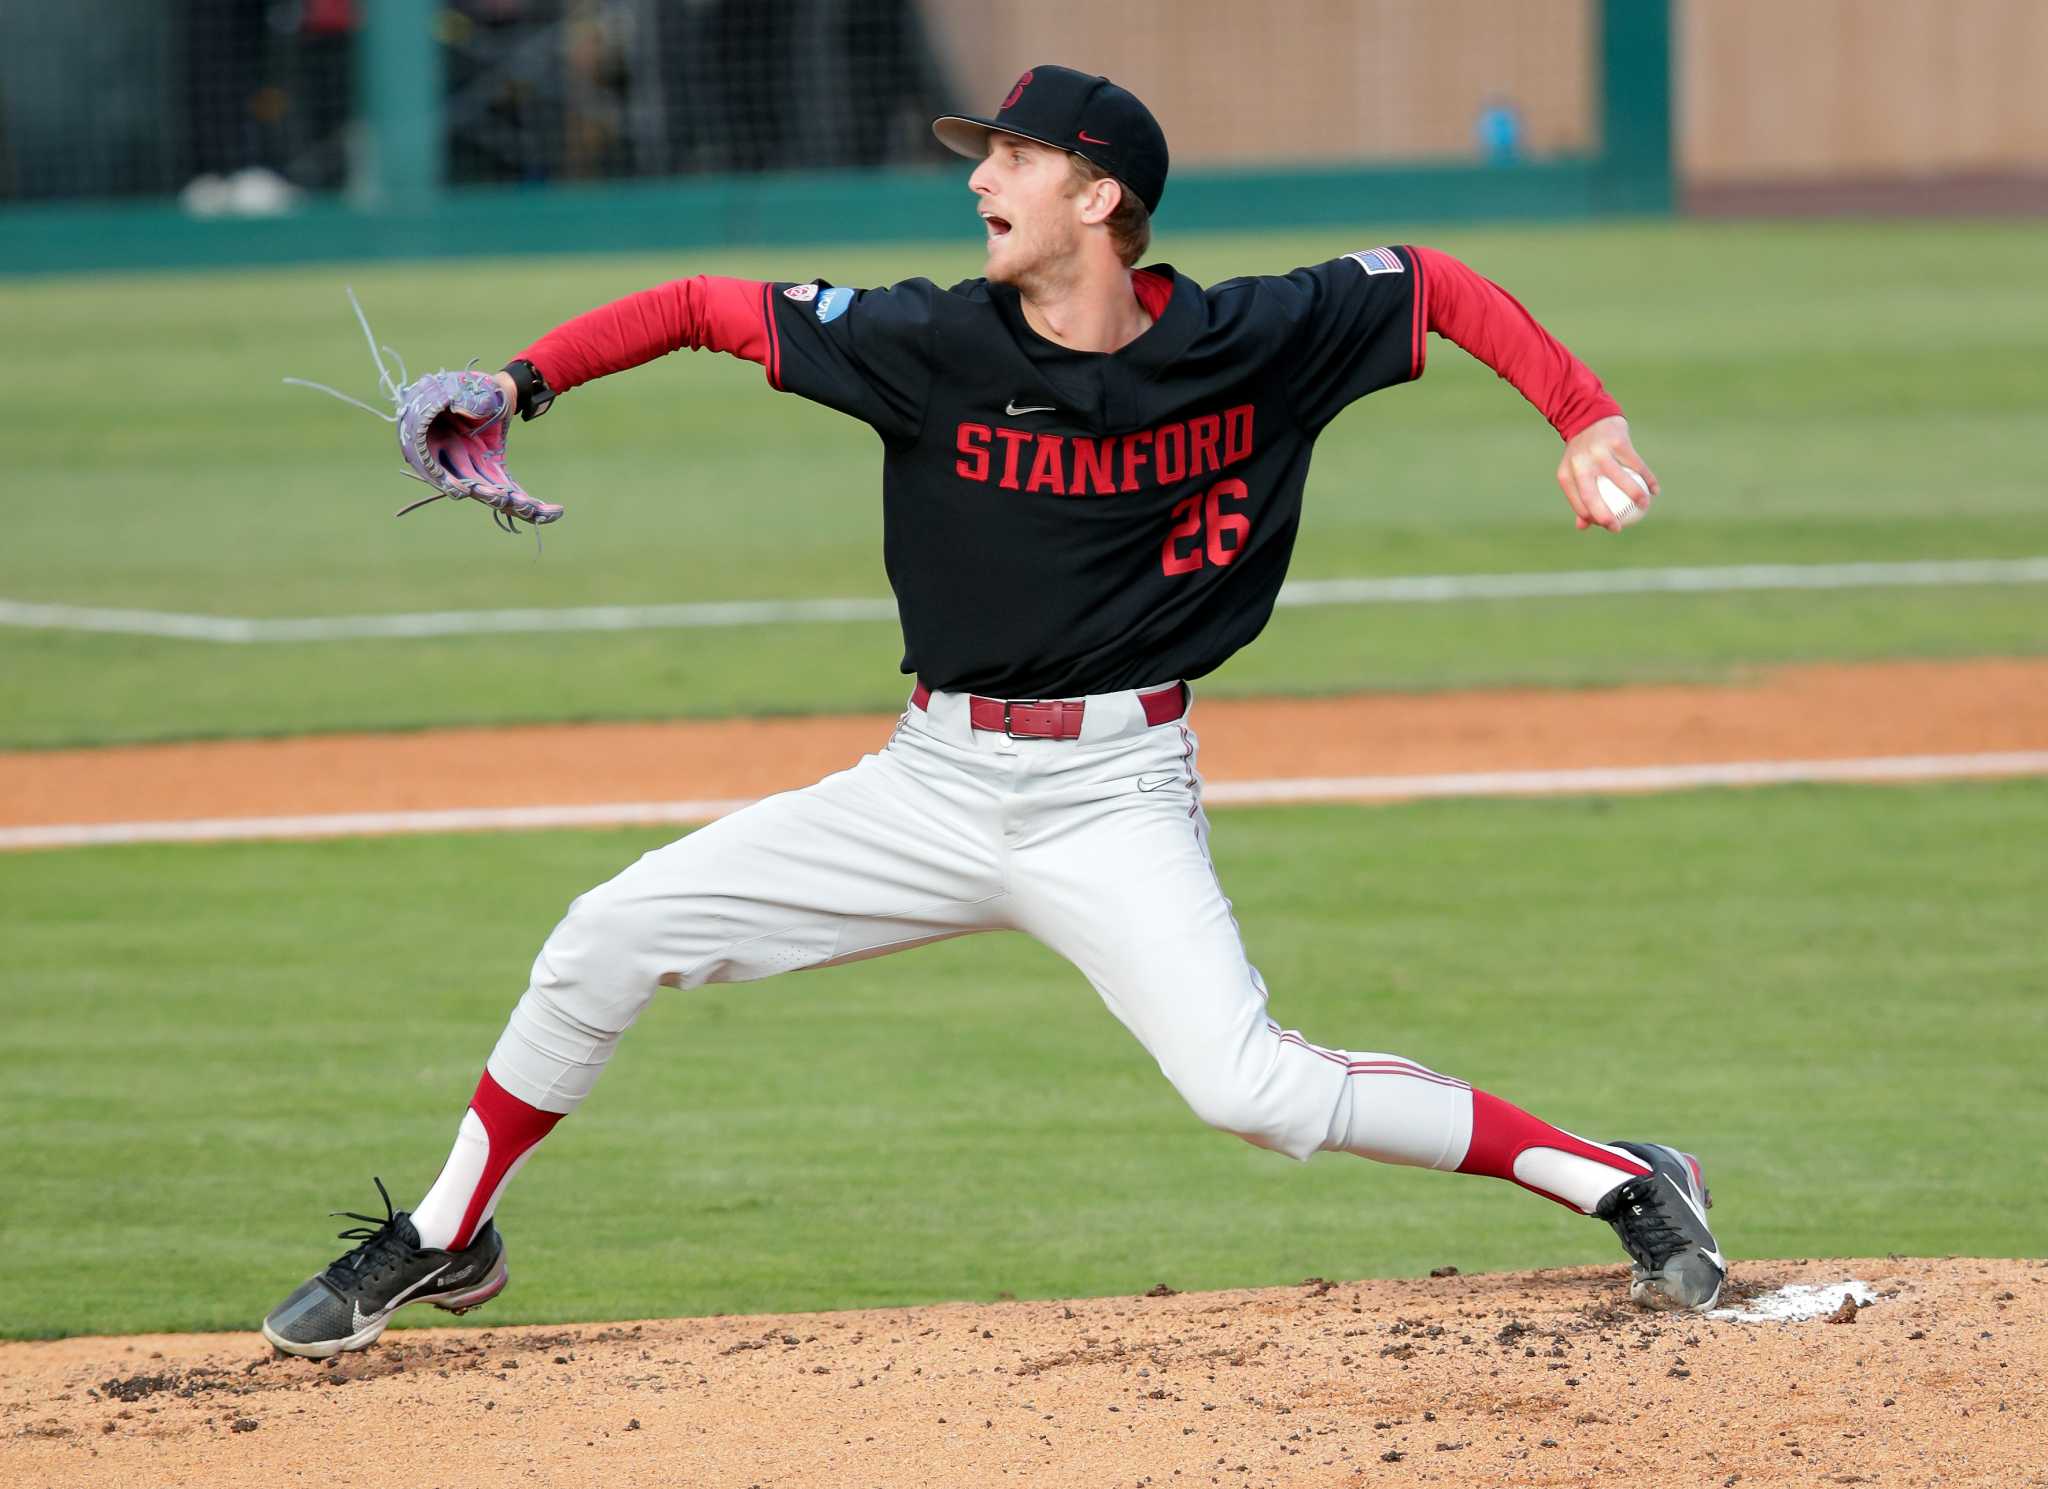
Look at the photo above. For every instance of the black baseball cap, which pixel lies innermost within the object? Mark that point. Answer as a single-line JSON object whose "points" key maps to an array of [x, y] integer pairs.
{"points": [[1075, 111]]}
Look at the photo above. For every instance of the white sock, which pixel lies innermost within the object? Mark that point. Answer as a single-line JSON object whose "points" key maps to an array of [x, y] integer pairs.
{"points": [[440, 1214], [1580, 1182]]}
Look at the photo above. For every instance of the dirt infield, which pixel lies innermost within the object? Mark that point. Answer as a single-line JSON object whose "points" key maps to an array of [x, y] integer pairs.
{"points": [[1537, 1379], [1813, 712]]}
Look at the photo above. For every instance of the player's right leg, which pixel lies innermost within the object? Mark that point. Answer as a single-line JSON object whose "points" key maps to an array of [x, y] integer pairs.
{"points": [[884, 856]]}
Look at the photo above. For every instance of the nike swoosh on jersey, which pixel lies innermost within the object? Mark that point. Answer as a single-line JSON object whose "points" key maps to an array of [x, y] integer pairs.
{"points": [[1037, 408], [1155, 783]]}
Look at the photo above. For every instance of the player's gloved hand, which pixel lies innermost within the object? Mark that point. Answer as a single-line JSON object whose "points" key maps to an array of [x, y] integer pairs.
{"points": [[1601, 449], [451, 430]]}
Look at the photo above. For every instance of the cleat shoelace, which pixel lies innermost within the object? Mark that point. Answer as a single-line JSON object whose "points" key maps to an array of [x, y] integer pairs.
{"points": [[381, 1245], [1649, 1228]]}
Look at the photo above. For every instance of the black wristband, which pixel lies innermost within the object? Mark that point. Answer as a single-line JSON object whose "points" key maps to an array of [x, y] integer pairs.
{"points": [[535, 396]]}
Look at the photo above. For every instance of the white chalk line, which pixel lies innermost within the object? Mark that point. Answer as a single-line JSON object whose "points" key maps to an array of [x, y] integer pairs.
{"points": [[1797, 1302], [1603, 779], [1894, 768], [1415, 589]]}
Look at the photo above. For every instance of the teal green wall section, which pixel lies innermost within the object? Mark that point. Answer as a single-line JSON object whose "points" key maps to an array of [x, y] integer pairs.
{"points": [[1636, 164], [840, 207], [401, 72]]}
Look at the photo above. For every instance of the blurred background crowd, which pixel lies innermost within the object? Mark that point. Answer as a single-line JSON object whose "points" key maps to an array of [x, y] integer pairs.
{"points": [[258, 95]]}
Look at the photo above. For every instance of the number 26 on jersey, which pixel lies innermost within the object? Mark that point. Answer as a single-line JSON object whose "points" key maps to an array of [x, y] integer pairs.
{"points": [[1207, 529]]}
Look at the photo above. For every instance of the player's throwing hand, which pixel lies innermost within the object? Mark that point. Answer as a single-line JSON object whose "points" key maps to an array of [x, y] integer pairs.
{"points": [[1601, 449]]}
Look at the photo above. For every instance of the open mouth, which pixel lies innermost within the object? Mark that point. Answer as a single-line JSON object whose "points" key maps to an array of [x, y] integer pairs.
{"points": [[998, 227]]}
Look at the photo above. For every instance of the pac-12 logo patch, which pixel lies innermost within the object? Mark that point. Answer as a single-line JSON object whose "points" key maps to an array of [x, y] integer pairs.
{"points": [[833, 302], [1378, 261], [801, 293]]}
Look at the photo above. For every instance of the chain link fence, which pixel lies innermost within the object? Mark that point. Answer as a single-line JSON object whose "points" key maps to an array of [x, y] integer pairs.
{"points": [[249, 105]]}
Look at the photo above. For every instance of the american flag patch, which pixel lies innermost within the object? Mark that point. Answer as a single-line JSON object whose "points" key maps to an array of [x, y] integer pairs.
{"points": [[1378, 261]]}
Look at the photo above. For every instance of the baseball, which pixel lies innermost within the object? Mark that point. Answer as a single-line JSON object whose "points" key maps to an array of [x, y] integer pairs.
{"points": [[1619, 503]]}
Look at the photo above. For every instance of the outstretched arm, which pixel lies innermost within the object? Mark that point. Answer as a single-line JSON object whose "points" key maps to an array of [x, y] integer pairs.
{"points": [[1464, 306], [864, 352], [706, 312]]}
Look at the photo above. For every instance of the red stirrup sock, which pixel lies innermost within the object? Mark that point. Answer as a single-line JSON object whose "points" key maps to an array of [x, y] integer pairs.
{"points": [[498, 1133], [1508, 1143]]}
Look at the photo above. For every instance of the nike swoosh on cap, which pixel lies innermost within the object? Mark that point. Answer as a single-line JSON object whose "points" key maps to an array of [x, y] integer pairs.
{"points": [[1091, 138]]}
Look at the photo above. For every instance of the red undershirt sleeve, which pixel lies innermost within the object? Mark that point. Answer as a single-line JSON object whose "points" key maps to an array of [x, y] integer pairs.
{"points": [[1464, 306], [705, 312]]}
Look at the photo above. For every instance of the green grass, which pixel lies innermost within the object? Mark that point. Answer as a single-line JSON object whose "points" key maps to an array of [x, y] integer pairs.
{"points": [[1836, 995], [1807, 393], [72, 689]]}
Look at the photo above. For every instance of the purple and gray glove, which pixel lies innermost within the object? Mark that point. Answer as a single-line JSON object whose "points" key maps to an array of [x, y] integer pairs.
{"points": [[451, 431]]}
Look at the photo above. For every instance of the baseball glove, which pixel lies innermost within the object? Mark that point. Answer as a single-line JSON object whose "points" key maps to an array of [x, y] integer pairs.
{"points": [[451, 431]]}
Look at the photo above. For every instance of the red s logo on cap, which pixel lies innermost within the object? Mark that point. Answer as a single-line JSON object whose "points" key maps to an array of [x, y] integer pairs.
{"points": [[1016, 92]]}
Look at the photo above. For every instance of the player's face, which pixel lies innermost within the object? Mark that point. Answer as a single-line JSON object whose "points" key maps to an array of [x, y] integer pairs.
{"points": [[1026, 195]]}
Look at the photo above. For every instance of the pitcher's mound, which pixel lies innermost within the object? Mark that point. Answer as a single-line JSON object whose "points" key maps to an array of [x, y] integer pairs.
{"points": [[1909, 1372]]}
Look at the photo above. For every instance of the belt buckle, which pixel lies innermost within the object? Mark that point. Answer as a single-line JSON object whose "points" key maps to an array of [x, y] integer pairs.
{"points": [[1008, 704]]}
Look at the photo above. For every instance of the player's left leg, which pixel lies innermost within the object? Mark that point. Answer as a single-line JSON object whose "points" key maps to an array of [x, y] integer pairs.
{"points": [[1120, 882]]}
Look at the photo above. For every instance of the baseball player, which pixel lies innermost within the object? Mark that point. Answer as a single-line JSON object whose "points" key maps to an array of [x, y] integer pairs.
{"points": [[1091, 482]]}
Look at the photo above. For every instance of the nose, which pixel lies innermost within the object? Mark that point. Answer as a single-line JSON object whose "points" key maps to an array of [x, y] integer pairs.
{"points": [[980, 183]]}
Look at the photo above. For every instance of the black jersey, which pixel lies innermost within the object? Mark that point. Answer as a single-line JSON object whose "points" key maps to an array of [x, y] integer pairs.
{"points": [[1057, 522]]}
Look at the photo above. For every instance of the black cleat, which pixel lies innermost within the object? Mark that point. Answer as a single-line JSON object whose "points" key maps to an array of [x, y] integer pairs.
{"points": [[348, 1305], [1661, 1218]]}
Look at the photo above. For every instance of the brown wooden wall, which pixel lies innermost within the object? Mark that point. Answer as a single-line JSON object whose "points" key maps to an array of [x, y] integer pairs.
{"points": [[1816, 88], [1766, 89], [1295, 80]]}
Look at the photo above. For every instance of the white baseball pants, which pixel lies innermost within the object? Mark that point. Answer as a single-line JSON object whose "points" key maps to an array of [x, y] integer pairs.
{"points": [[1096, 846]]}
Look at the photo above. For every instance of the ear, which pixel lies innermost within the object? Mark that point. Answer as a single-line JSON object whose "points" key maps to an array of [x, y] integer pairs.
{"points": [[1100, 198]]}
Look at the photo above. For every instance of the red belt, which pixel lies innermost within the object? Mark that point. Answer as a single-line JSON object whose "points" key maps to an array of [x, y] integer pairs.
{"points": [[1059, 718]]}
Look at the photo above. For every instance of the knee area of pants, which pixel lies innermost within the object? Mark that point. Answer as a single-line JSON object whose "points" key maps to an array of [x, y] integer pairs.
{"points": [[598, 963], [603, 920], [1243, 1113]]}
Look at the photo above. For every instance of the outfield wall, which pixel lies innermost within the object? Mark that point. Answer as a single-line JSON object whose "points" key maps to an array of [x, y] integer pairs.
{"points": [[1765, 89], [1305, 80], [405, 211], [1778, 90], [1296, 113]]}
